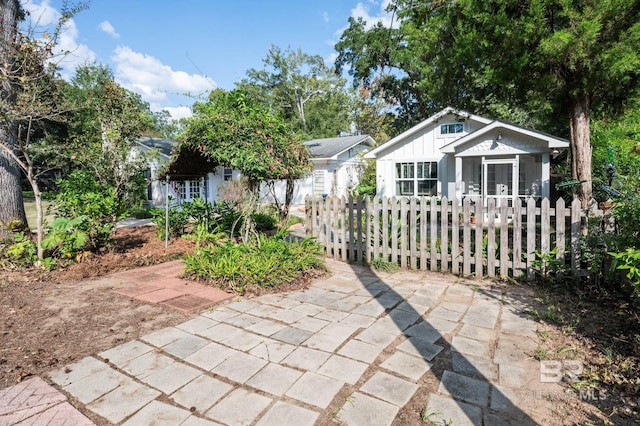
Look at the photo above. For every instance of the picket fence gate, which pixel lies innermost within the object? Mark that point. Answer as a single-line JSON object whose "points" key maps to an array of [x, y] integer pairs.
{"points": [[437, 234]]}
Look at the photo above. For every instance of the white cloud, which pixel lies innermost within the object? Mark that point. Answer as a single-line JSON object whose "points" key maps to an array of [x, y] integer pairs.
{"points": [[325, 16], [69, 52], [154, 81], [108, 28], [381, 15], [331, 59], [178, 112]]}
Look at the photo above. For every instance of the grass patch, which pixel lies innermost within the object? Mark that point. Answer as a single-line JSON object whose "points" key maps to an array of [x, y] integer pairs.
{"points": [[30, 211], [384, 265], [274, 262]]}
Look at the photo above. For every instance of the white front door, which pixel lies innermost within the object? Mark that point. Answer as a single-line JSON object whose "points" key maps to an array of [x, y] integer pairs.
{"points": [[498, 181]]}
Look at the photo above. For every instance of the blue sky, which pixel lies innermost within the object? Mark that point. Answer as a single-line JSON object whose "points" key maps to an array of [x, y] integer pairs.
{"points": [[162, 49]]}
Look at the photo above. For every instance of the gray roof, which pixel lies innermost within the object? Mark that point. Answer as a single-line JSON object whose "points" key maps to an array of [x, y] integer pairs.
{"points": [[331, 147], [164, 146], [318, 148]]}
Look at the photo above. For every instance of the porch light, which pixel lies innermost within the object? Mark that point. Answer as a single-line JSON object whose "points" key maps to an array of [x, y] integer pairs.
{"points": [[555, 151]]}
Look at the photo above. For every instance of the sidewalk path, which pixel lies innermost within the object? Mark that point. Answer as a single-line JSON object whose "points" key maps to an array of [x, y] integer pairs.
{"points": [[355, 348]]}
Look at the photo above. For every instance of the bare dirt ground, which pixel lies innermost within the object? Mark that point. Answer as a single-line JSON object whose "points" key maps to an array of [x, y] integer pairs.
{"points": [[51, 319]]}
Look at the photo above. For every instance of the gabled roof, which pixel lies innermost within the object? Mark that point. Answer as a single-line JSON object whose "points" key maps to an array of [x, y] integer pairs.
{"points": [[553, 141], [426, 123], [164, 146], [331, 148]]}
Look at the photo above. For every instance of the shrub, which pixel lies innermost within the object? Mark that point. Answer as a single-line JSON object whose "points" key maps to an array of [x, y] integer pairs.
{"points": [[629, 261], [23, 251], [81, 195], [66, 237], [142, 213], [178, 221], [264, 222], [199, 211], [226, 216], [273, 263]]}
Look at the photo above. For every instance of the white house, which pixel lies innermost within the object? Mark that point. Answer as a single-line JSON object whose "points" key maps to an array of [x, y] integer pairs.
{"points": [[335, 172], [455, 153], [337, 164]]}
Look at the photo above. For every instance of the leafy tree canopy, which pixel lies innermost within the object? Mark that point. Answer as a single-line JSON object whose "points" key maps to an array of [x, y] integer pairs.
{"points": [[301, 87], [236, 130], [535, 62]]}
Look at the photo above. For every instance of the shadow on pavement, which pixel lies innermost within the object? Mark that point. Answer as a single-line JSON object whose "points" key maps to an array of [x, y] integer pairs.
{"points": [[472, 392]]}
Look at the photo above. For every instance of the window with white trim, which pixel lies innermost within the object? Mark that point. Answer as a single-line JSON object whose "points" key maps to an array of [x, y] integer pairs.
{"points": [[451, 128], [181, 190], [227, 173], [194, 189], [148, 178], [417, 178]]}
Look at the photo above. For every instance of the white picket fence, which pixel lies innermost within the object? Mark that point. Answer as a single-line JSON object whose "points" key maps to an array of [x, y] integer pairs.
{"points": [[436, 234]]}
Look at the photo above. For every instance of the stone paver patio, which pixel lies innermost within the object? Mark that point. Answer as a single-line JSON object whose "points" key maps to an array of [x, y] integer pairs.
{"points": [[354, 348]]}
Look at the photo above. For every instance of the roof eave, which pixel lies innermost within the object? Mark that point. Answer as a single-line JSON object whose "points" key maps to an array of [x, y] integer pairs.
{"points": [[553, 142], [418, 127]]}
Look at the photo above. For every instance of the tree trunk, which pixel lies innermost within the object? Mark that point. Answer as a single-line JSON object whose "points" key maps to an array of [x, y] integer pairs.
{"points": [[579, 126], [39, 213], [11, 203], [580, 133], [288, 198]]}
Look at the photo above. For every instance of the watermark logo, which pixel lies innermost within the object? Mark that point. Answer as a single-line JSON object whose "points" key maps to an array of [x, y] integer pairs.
{"points": [[553, 371]]}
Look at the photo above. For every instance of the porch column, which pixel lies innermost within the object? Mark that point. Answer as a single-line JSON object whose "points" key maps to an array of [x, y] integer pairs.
{"points": [[545, 176], [516, 180], [459, 178]]}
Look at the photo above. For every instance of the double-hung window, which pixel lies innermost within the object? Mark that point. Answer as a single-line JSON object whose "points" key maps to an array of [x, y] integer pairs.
{"points": [[417, 178], [227, 173]]}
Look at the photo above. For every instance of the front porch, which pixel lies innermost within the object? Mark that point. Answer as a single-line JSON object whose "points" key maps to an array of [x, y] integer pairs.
{"points": [[504, 178]]}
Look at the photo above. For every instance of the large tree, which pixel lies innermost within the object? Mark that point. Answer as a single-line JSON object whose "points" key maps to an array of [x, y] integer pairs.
{"points": [[304, 89], [11, 204], [236, 130], [537, 62], [106, 122], [34, 113]]}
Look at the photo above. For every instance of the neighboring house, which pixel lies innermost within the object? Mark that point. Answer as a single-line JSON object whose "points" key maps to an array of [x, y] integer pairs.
{"points": [[184, 187], [458, 154], [336, 168], [337, 164]]}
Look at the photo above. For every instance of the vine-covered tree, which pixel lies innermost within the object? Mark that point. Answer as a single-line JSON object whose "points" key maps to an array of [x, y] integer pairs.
{"points": [[536, 62], [236, 130]]}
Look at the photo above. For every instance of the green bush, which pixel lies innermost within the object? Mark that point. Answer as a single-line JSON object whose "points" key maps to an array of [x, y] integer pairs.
{"points": [[226, 216], [264, 222], [364, 190], [272, 263], [80, 195], [627, 215], [629, 261], [178, 221], [200, 212], [142, 213], [23, 252], [66, 237]]}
